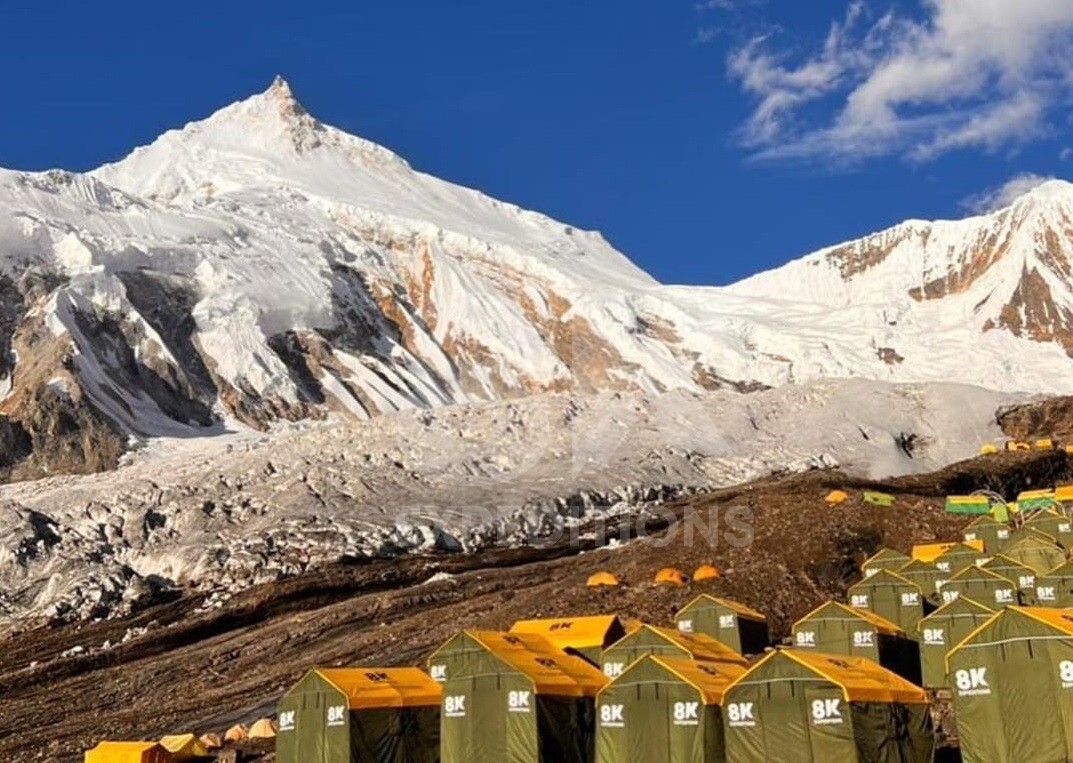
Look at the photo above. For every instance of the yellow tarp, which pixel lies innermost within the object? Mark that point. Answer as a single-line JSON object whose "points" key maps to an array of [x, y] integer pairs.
{"points": [[836, 497], [988, 449], [384, 687], [551, 670], [1059, 619], [184, 747], [862, 680], [573, 632], [1063, 493], [1045, 444], [128, 752], [929, 552]]}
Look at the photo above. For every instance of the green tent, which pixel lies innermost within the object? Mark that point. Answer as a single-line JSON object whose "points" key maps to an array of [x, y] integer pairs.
{"points": [[1012, 680], [360, 715], [834, 628], [925, 576], [944, 629], [989, 530], [884, 559], [1055, 589], [1023, 577], [650, 639], [956, 558], [876, 498], [987, 587], [808, 707], [1036, 500], [1036, 553], [968, 504], [742, 629], [664, 709], [586, 636], [890, 596], [514, 697], [1053, 524]]}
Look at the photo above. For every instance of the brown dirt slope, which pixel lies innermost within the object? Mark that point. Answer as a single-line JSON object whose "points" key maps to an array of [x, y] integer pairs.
{"points": [[204, 669]]}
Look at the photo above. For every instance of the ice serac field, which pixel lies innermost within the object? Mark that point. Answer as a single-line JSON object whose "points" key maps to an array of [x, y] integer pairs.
{"points": [[219, 516], [296, 349]]}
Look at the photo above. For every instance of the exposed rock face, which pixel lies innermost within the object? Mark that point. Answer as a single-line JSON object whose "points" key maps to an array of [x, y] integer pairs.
{"points": [[260, 266]]}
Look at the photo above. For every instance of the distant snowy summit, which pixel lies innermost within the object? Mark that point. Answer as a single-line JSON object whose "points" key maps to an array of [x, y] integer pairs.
{"points": [[261, 266]]}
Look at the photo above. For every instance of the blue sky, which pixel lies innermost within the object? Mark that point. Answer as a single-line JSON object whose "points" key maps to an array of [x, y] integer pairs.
{"points": [[707, 139]]}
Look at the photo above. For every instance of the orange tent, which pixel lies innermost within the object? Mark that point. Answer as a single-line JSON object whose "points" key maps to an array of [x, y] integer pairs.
{"points": [[602, 579], [836, 497], [237, 733], [671, 576], [706, 572], [263, 729]]}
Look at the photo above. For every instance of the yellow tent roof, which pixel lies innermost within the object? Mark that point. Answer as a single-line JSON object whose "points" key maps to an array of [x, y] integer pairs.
{"points": [[1028, 495], [973, 570], [862, 680], [971, 500], [701, 646], [602, 579], [1059, 619], [881, 624], [127, 752], [929, 552], [237, 733], [1063, 493], [551, 670], [384, 687], [734, 606], [711, 679], [671, 576], [571, 632], [263, 729], [184, 747], [706, 572], [879, 575]]}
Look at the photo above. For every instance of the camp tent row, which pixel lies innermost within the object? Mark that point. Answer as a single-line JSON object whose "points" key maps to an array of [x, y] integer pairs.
{"points": [[834, 628], [1012, 681], [360, 715], [798, 706], [739, 627], [514, 697]]}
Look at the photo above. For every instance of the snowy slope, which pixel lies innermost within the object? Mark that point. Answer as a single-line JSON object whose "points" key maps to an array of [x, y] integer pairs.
{"points": [[259, 266], [220, 515]]}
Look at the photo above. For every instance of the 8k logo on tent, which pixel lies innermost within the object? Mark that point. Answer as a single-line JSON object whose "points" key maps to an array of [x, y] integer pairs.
{"points": [[741, 714], [686, 713], [972, 682], [613, 716], [826, 712]]}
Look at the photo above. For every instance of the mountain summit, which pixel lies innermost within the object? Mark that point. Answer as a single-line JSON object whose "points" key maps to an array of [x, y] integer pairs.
{"points": [[259, 265]]}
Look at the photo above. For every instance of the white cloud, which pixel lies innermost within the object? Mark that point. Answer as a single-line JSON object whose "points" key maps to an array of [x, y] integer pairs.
{"points": [[714, 5], [1005, 194], [1066, 154], [984, 74]]}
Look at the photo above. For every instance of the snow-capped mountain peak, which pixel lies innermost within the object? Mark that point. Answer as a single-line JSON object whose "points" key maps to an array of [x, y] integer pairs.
{"points": [[260, 265]]}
